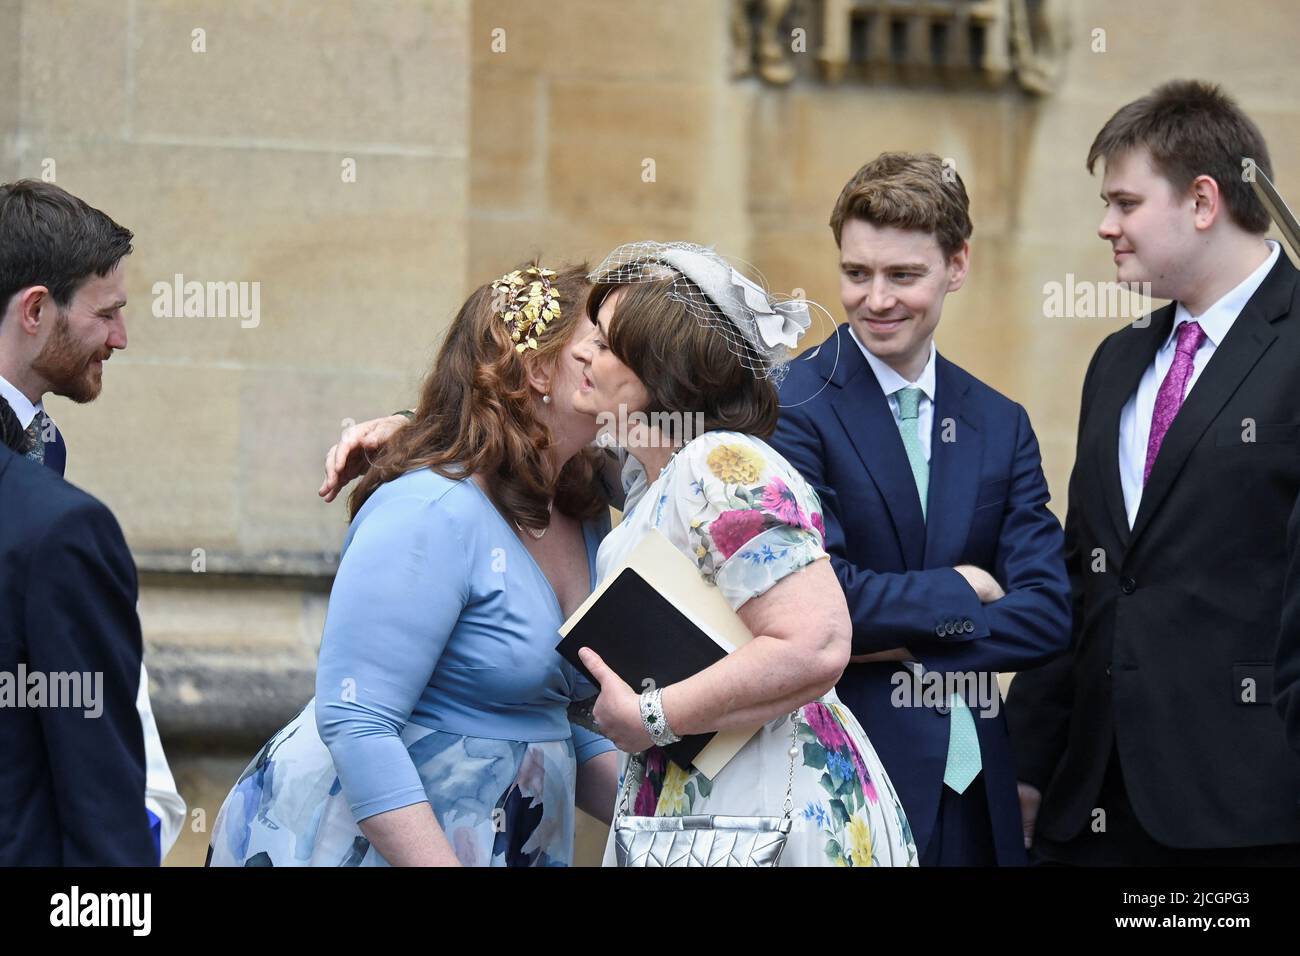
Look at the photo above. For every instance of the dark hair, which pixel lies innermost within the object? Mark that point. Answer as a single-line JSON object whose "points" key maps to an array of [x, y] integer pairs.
{"points": [[476, 415], [1192, 129], [907, 191], [50, 237], [12, 435], [685, 366]]}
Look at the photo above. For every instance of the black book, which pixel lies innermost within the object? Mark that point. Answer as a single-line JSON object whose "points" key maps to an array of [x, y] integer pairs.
{"points": [[656, 618], [646, 641]]}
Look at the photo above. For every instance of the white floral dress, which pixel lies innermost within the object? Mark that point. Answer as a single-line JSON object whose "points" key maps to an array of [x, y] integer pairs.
{"points": [[747, 519]]}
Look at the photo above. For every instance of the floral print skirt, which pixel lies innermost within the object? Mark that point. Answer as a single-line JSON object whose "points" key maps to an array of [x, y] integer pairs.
{"points": [[500, 802], [846, 812]]}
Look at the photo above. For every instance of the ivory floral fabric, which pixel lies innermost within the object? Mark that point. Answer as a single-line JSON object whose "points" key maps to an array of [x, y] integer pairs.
{"points": [[748, 519]]}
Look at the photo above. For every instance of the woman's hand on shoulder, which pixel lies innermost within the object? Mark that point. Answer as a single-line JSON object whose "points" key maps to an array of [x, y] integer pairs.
{"points": [[349, 458]]}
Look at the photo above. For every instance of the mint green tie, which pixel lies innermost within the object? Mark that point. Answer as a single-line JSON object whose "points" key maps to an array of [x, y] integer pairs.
{"points": [[963, 744], [909, 407]]}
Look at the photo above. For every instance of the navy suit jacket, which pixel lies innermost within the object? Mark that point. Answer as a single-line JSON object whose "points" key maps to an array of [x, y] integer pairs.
{"points": [[987, 506], [73, 789]]}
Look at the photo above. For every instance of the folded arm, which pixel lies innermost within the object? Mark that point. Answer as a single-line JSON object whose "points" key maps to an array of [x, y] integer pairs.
{"points": [[1030, 625]]}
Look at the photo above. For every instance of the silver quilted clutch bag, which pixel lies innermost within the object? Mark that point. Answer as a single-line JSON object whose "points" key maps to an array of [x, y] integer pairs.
{"points": [[702, 840]]}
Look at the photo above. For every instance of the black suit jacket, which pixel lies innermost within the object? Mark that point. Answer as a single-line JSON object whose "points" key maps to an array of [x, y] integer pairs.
{"points": [[72, 787], [1176, 621]]}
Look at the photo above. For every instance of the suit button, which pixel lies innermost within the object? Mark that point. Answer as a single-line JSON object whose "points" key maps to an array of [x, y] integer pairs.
{"points": [[1127, 585], [938, 629], [941, 710], [950, 628], [1107, 670], [968, 627]]}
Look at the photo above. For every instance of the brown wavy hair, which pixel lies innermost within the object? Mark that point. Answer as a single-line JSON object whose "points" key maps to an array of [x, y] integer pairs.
{"points": [[476, 415]]}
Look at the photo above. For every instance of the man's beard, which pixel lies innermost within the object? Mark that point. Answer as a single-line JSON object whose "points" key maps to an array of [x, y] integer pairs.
{"points": [[68, 367]]}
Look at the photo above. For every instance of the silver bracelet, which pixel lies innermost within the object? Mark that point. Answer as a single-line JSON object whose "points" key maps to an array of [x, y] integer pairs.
{"points": [[653, 719]]}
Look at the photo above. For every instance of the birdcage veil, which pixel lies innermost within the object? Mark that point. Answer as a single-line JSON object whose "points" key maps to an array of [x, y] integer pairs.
{"points": [[760, 329]]}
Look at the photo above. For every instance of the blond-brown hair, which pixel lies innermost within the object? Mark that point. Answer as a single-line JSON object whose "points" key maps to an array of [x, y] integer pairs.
{"points": [[1192, 129], [476, 415], [907, 191]]}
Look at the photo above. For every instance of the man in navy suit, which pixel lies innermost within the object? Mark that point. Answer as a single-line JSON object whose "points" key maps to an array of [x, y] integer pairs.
{"points": [[74, 784], [936, 515], [62, 296]]}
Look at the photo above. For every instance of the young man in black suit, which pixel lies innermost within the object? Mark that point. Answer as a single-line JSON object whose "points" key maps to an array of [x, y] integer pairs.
{"points": [[1153, 742]]}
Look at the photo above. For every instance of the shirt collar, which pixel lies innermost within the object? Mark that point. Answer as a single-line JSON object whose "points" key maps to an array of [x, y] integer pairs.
{"points": [[20, 403], [890, 381], [1218, 318]]}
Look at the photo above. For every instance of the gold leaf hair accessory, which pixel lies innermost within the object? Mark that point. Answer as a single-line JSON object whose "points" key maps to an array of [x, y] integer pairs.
{"points": [[527, 302]]}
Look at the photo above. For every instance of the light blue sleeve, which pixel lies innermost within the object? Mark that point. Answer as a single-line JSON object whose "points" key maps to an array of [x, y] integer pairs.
{"points": [[586, 743], [400, 589]]}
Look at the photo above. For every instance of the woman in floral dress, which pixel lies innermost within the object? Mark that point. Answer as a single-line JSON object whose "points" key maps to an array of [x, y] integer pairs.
{"points": [[679, 332]]}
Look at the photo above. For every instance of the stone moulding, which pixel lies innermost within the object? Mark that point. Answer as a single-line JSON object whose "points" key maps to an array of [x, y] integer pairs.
{"points": [[980, 43], [300, 565]]}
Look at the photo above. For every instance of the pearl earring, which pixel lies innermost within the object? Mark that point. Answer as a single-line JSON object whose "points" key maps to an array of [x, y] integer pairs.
{"points": [[546, 399]]}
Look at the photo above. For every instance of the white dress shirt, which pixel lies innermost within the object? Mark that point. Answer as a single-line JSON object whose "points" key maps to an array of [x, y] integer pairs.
{"points": [[1135, 419], [20, 403], [891, 383], [160, 793]]}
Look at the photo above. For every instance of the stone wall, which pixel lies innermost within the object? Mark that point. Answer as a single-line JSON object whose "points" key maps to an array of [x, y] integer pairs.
{"points": [[227, 152]]}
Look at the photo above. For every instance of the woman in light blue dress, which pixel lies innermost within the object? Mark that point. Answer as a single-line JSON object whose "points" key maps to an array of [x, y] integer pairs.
{"points": [[439, 733]]}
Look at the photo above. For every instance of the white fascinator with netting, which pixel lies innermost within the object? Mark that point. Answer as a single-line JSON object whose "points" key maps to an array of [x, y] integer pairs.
{"points": [[761, 329]]}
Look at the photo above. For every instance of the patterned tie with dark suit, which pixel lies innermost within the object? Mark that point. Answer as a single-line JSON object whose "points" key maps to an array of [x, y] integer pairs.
{"points": [[46, 443]]}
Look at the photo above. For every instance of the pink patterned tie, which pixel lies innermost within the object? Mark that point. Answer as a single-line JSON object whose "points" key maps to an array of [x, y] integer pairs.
{"points": [[1170, 397]]}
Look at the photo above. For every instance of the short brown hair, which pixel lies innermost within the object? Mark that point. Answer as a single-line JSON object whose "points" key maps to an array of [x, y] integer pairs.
{"points": [[1192, 129], [685, 366], [50, 237], [907, 191]]}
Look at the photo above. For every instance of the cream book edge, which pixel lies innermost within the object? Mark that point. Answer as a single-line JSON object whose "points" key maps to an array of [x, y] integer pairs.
{"points": [[673, 575]]}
